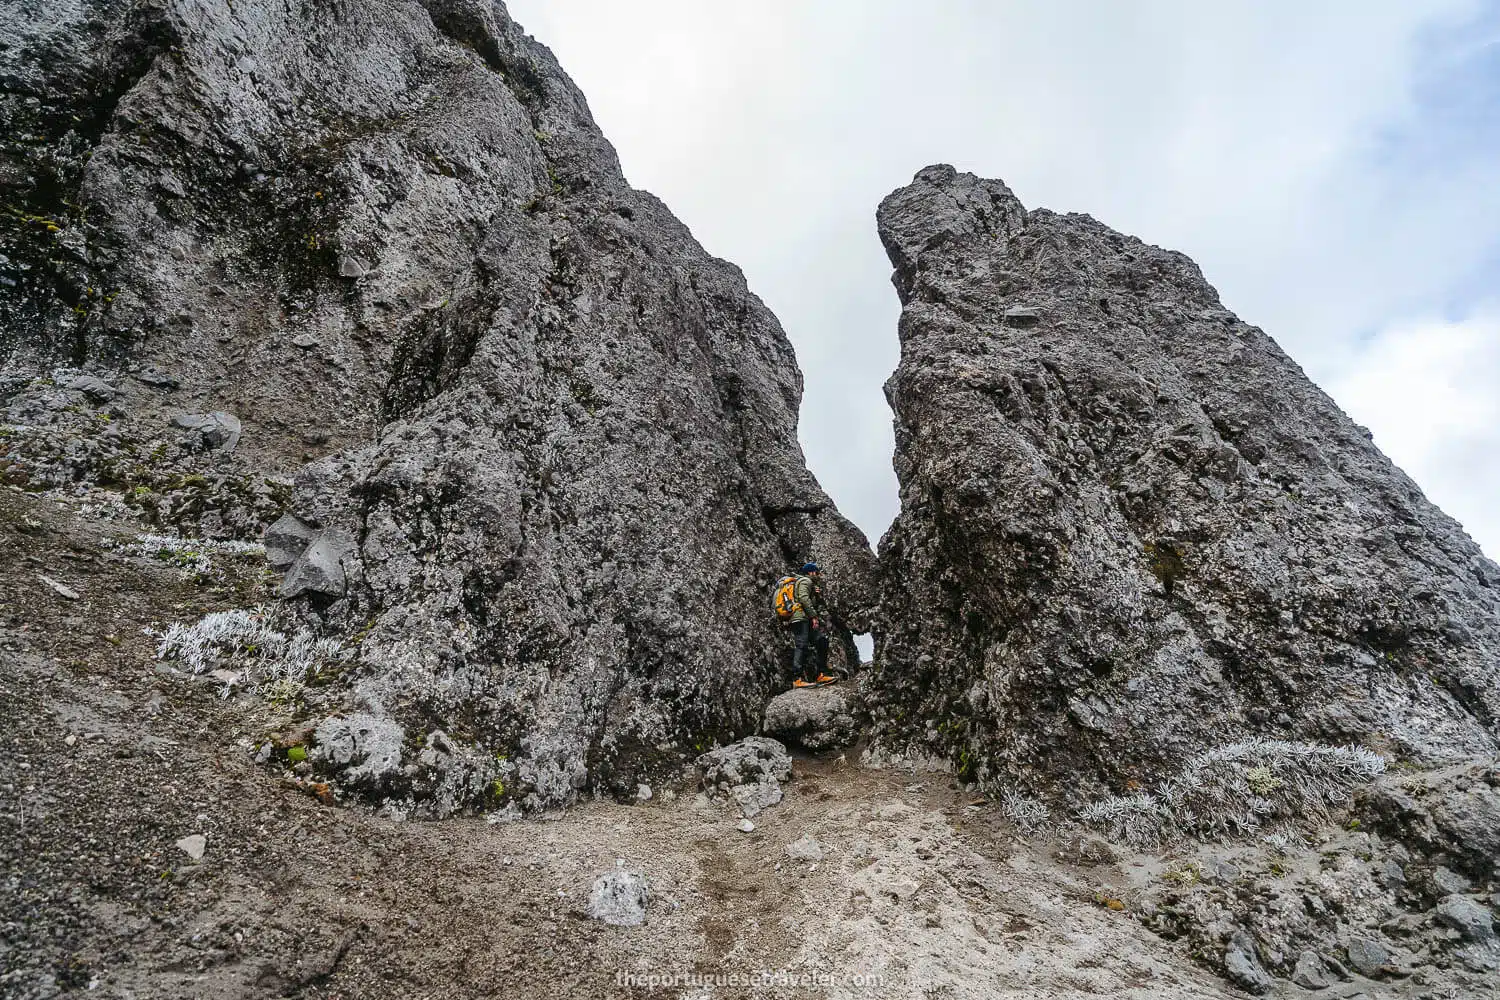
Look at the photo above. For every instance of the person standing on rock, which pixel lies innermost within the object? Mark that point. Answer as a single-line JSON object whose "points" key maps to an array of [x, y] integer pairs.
{"points": [[799, 603]]}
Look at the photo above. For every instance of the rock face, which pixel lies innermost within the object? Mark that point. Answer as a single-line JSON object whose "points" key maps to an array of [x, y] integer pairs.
{"points": [[556, 446], [1450, 817], [1132, 529]]}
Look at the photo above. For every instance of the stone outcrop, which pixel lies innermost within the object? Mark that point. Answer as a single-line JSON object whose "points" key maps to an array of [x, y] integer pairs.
{"points": [[1132, 529], [819, 718], [553, 443]]}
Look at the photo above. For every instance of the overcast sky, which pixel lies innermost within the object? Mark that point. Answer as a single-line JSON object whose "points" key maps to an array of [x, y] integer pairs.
{"points": [[1334, 167]]}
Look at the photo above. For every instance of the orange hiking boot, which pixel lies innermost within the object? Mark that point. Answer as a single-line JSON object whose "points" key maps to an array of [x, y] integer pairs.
{"points": [[800, 683], [825, 679]]}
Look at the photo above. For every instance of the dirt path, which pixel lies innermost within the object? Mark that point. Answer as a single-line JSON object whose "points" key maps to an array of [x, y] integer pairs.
{"points": [[108, 760]]}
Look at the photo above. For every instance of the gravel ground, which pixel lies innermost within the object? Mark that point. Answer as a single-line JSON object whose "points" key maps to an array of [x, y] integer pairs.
{"points": [[110, 759]]}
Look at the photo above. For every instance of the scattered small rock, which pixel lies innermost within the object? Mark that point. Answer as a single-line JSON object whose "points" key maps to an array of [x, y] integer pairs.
{"points": [[320, 569], [619, 897], [805, 848], [287, 539], [63, 590], [643, 793], [1367, 955], [96, 389], [1311, 972], [212, 431], [1448, 882], [305, 341], [157, 379], [1467, 917], [1220, 870], [748, 773], [193, 846], [171, 185], [745, 826], [1022, 316], [229, 678], [1086, 851]]}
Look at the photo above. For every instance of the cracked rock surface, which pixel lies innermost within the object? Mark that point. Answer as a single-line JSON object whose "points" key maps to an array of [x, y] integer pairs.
{"points": [[553, 442], [1131, 527]]}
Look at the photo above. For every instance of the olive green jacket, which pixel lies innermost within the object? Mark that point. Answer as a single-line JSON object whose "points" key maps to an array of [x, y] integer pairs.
{"points": [[810, 596]]}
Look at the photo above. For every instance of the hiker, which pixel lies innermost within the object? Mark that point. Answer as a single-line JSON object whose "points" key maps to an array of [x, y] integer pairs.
{"points": [[799, 603]]}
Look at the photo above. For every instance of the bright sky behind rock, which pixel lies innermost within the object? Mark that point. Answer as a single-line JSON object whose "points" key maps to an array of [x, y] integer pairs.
{"points": [[1334, 168]]}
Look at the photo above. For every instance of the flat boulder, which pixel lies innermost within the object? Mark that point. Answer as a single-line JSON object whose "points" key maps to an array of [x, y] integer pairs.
{"points": [[96, 389], [819, 718]]}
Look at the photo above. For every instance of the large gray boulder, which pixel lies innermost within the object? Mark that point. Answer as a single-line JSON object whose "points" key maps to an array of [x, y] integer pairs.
{"points": [[747, 775], [1132, 530], [818, 718], [563, 435]]}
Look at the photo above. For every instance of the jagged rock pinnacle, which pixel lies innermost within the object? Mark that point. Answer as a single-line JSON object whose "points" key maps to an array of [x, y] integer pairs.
{"points": [[1132, 529]]}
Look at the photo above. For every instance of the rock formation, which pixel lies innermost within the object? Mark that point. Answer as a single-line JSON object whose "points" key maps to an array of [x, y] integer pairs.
{"points": [[1131, 529], [554, 447], [818, 718]]}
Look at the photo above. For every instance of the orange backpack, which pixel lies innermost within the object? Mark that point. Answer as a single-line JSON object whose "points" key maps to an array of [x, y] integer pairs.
{"points": [[785, 601]]}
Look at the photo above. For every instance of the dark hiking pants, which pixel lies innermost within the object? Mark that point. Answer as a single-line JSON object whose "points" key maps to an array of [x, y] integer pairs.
{"points": [[809, 639]]}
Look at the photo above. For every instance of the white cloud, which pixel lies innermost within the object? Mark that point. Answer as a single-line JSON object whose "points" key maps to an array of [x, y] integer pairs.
{"points": [[1430, 393], [1330, 165]]}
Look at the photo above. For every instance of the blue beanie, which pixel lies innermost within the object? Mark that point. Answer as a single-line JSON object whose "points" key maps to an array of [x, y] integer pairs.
{"points": [[811, 567]]}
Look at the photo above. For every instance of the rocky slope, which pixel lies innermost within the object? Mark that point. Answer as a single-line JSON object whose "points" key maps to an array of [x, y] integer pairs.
{"points": [[148, 851], [1137, 544], [553, 442]]}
